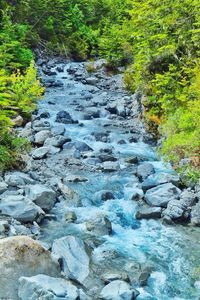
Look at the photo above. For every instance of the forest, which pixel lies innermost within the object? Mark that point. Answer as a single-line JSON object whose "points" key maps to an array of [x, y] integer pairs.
{"points": [[156, 42]]}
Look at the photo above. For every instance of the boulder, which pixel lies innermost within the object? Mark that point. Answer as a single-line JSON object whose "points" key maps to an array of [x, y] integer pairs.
{"points": [[75, 260], [175, 210], [57, 141], [104, 195], [3, 187], [78, 145], [109, 166], [180, 209], [45, 115], [64, 117], [69, 195], [41, 136], [45, 287], [16, 179], [149, 213], [40, 153], [18, 121], [20, 208], [159, 178], [22, 256], [70, 217], [75, 179], [195, 214], [100, 225], [144, 170], [58, 130], [118, 290], [162, 194], [41, 195], [39, 125], [109, 277], [92, 80]]}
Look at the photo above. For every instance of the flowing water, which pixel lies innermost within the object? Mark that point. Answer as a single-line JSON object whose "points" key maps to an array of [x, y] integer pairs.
{"points": [[173, 252]]}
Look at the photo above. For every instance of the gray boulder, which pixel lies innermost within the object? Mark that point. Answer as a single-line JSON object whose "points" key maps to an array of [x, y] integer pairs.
{"points": [[58, 130], [162, 194], [16, 179], [180, 209], [41, 195], [144, 170], [149, 213], [109, 166], [57, 141], [118, 290], [22, 256], [159, 178], [78, 145], [92, 80], [44, 287], [195, 214], [175, 210], [40, 153], [75, 260], [20, 208], [41, 136], [75, 179], [100, 225], [64, 117], [3, 187], [39, 125]]}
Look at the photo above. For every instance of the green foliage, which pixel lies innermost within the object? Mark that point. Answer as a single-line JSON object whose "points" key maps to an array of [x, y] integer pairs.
{"points": [[166, 68]]}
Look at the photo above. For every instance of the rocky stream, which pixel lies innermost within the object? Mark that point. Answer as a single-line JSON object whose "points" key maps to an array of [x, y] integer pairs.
{"points": [[95, 214]]}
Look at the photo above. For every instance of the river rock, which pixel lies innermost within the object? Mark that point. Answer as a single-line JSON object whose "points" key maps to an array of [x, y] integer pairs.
{"points": [[195, 214], [64, 117], [38, 125], [149, 213], [100, 225], [69, 195], [58, 130], [75, 260], [70, 217], [20, 208], [18, 121], [40, 153], [16, 179], [41, 136], [78, 145], [175, 210], [44, 287], [109, 166], [57, 141], [92, 80], [180, 209], [109, 277], [144, 170], [41, 195], [22, 256], [104, 195], [118, 290], [3, 187], [162, 194], [159, 178], [75, 179]]}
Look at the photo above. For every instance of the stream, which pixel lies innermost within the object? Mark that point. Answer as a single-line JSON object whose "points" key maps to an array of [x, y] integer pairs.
{"points": [[105, 192], [171, 251]]}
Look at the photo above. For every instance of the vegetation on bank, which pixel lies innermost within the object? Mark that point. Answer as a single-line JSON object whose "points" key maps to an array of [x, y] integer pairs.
{"points": [[157, 42]]}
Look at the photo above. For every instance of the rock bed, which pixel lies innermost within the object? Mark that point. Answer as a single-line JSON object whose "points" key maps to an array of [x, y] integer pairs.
{"points": [[77, 222]]}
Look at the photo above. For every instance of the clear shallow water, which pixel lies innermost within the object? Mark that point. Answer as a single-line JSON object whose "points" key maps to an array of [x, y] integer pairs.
{"points": [[173, 251]]}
